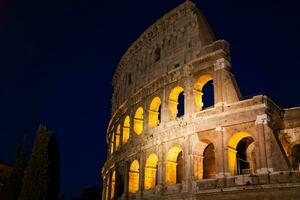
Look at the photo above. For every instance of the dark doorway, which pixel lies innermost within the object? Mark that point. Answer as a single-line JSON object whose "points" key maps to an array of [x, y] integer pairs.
{"points": [[209, 162]]}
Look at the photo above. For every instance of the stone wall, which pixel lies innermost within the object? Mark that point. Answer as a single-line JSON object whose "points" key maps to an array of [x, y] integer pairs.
{"points": [[251, 141]]}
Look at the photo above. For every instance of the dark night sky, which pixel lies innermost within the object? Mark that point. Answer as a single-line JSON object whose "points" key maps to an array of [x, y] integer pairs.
{"points": [[57, 59]]}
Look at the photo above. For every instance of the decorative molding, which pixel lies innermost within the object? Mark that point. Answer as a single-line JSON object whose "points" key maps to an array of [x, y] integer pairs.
{"points": [[262, 119], [221, 63]]}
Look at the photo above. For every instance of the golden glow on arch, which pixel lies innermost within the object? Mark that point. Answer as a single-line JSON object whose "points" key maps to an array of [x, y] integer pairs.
{"points": [[150, 172], [171, 165], [173, 100], [232, 144], [154, 112], [118, 135], [133, 185], [139, 121], [126, 129], [198, 158], [198, 89]]}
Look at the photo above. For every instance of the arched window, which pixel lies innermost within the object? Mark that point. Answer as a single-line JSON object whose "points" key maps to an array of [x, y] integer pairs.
{"points": [[151, 172], [295, 157], [117, 136], [156, 55], [174, 104], [241, 154], [204, 160], [204, 92], [154, 112], [209, 162], [134, 177], [126, 129], [174, 166], [139, 121]]}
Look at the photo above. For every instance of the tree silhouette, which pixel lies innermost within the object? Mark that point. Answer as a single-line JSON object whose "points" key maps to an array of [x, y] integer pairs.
{"points": [[41, 180]]}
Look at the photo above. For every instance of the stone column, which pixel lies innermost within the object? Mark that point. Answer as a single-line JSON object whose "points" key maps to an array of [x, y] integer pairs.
{"points": [[142, 173], [164, 108], [146, 117], [108, 192], [197, 167], [160, 164], [188, 168], [121, 132], [263, 145], [131, 129], [126, 180], [223, 152], [189, 102], [219, 67], [104, 189]]}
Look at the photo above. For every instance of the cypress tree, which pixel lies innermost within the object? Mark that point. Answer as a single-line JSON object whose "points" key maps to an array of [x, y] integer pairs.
{"points": [[41, 180], [13, 186]]}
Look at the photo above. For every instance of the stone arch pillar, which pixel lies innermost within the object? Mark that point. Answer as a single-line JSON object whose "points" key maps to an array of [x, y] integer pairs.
{"points": [[225, 89]]}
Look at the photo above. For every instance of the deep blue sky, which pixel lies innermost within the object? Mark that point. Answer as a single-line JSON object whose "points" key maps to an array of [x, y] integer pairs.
{"points": [[57, 59]]}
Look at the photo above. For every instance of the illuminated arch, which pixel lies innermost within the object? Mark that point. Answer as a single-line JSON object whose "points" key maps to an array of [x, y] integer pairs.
{"points": [[232, 150], [154, 112], [204, 160], [134, 177], [117, 136], [126, 129], [198, 87], [151, 172], [174, 166], [139, 121], [173, 100]]}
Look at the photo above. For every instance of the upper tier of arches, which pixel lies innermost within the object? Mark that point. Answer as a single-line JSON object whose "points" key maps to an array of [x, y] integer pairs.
{"points": [[164, 46], [147, 117]]}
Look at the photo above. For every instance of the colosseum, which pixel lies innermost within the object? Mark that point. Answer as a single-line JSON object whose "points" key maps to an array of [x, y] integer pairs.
{"points": [[180, 128]]}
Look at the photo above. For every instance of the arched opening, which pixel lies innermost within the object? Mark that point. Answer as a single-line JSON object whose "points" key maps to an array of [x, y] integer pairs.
{"points": [[180, 106], [204, 160], [209, 162], [174, 166], [117, 136], [154, 112], [295, 157], [204, 92], [156, 56], [176, 102], [126, 129], [119, 184], [133, 185], [151, 172], [241, 154], [139, 121], [113, 184], [180, 168]]}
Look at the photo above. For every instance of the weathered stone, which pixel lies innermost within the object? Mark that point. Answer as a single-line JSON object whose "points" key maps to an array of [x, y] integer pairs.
{"points": [[236, 149]]}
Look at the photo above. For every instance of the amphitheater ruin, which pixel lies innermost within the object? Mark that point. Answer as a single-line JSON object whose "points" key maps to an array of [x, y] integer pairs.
{"points": [[165, 141]]}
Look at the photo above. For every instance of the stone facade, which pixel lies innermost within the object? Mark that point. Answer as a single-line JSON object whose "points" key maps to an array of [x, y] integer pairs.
{"points": [[237, 149]]}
